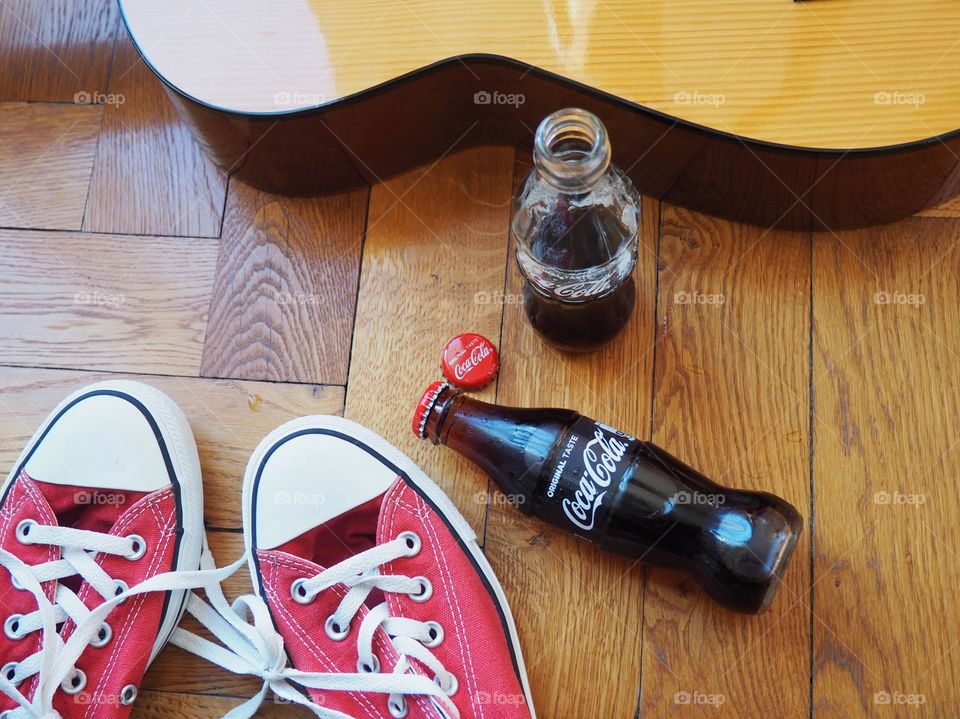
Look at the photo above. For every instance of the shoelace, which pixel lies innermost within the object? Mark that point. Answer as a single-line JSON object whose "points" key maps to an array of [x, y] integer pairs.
{"points": [[252, 648]]}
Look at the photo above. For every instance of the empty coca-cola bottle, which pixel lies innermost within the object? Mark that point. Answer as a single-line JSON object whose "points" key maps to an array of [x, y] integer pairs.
{"points": [[627, 495], [575, 228]]}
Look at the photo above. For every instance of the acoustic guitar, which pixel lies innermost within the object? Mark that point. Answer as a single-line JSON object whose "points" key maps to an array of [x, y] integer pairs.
{"points": [[816, 115]]}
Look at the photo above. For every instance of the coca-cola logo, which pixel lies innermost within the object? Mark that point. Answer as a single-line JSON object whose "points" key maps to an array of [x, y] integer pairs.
{"points": [[601, 457], [476, 356], [579, 290]]}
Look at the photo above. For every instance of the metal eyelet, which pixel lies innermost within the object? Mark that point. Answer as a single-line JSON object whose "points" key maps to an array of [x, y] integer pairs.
{"points": [[11, 627], [398, 708], [372, 668], [412, 541], [104, 635], [139, 547], [334, 630], [23, 530], [426, 590], [122, 586], [436, 635], [299, 592], [450, 686], [128, 695], [74, 683], [9, 672]]}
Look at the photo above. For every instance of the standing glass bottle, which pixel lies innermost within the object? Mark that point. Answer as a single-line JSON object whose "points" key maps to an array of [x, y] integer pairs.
{"points": [[575, 227]]}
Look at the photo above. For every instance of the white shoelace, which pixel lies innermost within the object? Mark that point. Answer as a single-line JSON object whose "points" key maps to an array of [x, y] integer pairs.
{"points": [[253, 647]]}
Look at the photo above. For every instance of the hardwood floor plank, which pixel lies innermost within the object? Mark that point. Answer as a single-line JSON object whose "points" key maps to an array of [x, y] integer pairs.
{"points": [[58, 47], [286, 287], [731, 400], [578, 609], [104, 302], [433, 259], [52, 148], [886, 392], [150, 176], [228, 417], [163, 705]]}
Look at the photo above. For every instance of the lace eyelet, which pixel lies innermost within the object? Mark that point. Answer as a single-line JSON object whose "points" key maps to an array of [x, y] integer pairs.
{"points": [[11, 627], [23, 530], [436, 635], [122, 586], [104, 635], [365, 668], [398, 708], [335, 631], [448, 687], [426, 590], [9, 672], [128, 695], [412, 541], [139, 547], [299, 592], [74, 683]]}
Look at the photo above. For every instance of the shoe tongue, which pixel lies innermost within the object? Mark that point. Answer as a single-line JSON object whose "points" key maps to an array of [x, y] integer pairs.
{"points": [[79, 507]]}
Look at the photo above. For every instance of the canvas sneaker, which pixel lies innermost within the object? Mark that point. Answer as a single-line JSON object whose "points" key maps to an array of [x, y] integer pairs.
{"points": [[383, 600], [100, 514]]}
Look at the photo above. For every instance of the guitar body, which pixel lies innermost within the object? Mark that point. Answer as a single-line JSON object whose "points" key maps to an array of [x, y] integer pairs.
{"points": [[815, 115]]}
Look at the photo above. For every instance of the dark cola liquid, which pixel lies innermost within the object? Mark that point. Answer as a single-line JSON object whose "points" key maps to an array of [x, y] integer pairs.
{"points": [[578, 238]]}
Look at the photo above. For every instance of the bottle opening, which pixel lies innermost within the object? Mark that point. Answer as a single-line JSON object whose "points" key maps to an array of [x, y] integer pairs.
{"points": [[571, 149]]}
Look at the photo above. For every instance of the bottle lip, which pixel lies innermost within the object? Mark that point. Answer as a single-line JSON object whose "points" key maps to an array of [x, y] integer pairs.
{"points": [[580, 172], [425, 406]]}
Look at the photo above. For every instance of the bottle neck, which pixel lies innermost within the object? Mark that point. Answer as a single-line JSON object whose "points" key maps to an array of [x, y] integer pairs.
{"points": [[571, 150]]}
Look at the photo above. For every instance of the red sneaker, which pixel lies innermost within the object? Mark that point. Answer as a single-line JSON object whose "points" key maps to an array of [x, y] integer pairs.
{"points": [[369, 572], [106, 495]]}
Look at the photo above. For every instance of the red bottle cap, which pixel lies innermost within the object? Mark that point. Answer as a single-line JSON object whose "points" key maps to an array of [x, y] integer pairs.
{"points": [[426, 404], [470, 361]]}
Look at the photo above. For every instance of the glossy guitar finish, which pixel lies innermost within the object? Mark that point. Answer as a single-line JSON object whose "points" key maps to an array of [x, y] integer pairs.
{"points": [[826, 113]]}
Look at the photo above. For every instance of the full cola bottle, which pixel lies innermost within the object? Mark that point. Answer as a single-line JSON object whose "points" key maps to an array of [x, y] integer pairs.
{"points": [[627, 495]]}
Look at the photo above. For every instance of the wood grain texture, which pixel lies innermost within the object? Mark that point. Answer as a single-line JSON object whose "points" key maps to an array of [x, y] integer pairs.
{"points": [[99, 302], [46, 157], [817, 74], [58, 48], [432, 268], [886, 346], [165, 704], [731, 399], [578, 610], [150, 176], [228, 418], [286, 287]]}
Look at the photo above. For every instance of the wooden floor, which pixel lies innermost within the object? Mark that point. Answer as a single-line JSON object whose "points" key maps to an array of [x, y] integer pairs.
{"points": [[823, 368]]}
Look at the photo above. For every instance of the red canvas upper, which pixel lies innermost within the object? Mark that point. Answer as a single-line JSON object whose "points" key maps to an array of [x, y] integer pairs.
{"points": [[134, 623], [475, 646]]}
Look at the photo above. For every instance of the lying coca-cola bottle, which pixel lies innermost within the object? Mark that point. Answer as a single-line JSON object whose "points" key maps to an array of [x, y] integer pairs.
{"points": [[628, 496]]}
